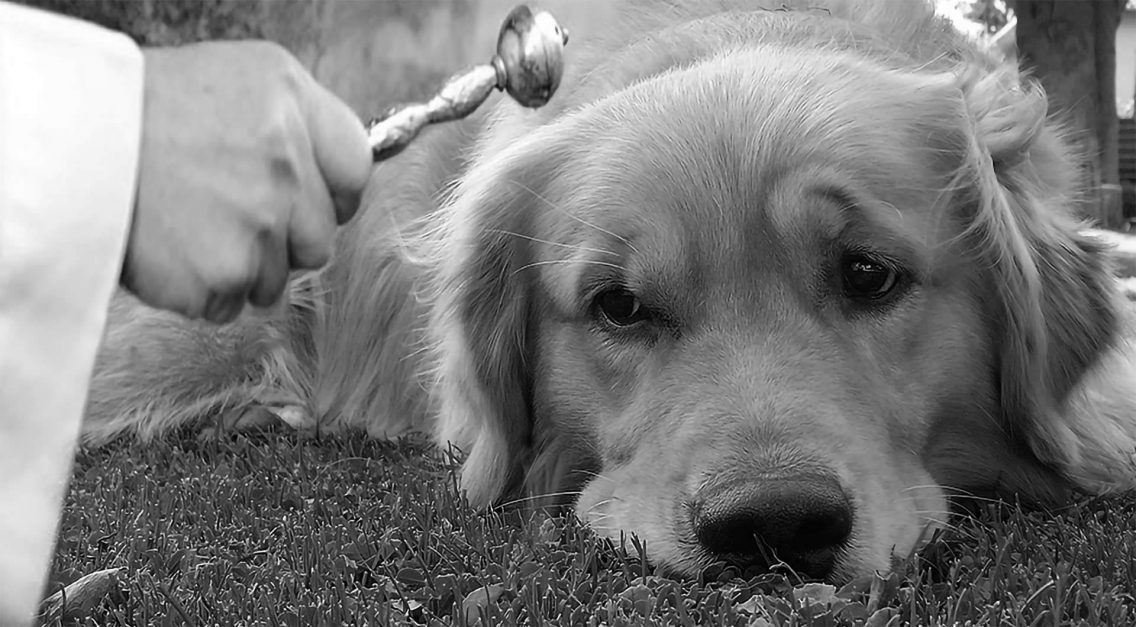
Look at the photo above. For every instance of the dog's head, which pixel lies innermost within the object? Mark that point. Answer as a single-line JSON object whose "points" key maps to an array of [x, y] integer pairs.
{"points": [[771, 298]]}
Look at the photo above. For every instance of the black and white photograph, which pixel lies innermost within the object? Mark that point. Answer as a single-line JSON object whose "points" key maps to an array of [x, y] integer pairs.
{"points": [[759, 313]]}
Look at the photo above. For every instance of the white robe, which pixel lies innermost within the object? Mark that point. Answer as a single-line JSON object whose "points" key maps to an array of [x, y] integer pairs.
{"points": [[70, 129]]}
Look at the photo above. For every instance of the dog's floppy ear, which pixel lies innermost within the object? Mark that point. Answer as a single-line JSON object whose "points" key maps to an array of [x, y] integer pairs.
{"points": [[480, 329], [1056, 300]]}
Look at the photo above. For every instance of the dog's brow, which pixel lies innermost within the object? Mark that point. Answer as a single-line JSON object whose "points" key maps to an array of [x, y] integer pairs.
{"points": [[552, 262], [553, 205], [552, 243], [877, 222], [843, 199]]}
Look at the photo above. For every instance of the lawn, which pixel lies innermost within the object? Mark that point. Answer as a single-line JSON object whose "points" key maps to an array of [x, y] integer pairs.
{"points": [[286, 530]]}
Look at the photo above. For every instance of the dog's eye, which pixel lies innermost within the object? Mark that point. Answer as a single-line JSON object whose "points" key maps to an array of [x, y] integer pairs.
{"points": [[621, 308], [865, 278]]}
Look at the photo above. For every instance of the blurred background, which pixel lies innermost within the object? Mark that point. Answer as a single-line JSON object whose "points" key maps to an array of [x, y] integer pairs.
{"points": [[372, 53], [376, 53]]}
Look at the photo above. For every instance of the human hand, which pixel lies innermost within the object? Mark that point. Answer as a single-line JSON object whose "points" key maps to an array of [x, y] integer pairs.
{"points": [[247, 165]]}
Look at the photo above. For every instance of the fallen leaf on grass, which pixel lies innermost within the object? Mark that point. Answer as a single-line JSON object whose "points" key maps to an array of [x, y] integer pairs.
{"points": [[884, 617], [815, 594], [77, 600], [480, 599]]}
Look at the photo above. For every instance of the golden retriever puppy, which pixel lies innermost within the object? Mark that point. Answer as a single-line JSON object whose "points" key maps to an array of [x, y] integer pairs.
{"points": [[760, 285]]}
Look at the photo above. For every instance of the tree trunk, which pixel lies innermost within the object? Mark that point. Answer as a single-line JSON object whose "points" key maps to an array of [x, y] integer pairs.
{"points": [[1070, 45]]}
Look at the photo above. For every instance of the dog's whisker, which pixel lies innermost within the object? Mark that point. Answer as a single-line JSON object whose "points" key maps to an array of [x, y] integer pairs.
{"points": [[602, 502], [927, 486], [960, 493], [593, 474], [949, 490], [957, 493], [552, 262], [958, 526], [599, 522], [939, 518], [536, 497], [963, 518], [573, 216], [934, 512], [593, 515], [552, 243]]}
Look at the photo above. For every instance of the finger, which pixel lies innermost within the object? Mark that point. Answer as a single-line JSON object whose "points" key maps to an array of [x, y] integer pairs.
{"points": [[232, 281], [162, 282], [311, 229], [272, 276], [223, 308], [339, 142]]}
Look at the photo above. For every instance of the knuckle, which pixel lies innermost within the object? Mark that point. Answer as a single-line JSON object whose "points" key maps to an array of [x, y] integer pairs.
{"points": [[314, 255], [280, 131], [268, 220], [284, 170], [282, 140], [172, 291], [273, 54], [229, 280], [258, 222], [282, 68], [320, 256]]}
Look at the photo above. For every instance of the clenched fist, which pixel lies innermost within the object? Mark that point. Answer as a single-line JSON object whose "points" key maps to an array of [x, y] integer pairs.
{"points": [[247, 166]]}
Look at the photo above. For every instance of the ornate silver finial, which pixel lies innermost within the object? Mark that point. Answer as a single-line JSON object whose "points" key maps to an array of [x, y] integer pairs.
{"points": [[528, 66]]}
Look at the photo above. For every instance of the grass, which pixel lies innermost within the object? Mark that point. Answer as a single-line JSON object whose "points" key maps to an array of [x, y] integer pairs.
{"points": [[285, 530]]}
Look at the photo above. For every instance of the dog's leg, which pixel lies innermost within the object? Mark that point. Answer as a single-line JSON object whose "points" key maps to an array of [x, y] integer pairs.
{"points": [[1094, 440], [156, 371], [374, 372], [346, 355]]}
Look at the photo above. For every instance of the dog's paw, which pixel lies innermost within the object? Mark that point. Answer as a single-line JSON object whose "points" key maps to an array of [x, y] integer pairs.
{"points": [[270, 414]]}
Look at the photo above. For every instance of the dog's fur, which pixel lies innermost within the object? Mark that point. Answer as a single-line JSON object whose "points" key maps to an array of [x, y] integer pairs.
{"points": [[721, 164]]}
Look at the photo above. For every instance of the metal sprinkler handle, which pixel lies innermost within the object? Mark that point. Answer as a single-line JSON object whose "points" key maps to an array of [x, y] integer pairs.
{"points": [[528, 66]]}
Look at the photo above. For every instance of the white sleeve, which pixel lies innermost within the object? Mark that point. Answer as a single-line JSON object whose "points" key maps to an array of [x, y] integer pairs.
{"points": [[70, 130]]}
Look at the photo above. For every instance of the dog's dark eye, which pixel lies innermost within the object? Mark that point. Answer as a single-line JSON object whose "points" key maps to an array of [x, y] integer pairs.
{"points": [[621, 308], [867, 279]]}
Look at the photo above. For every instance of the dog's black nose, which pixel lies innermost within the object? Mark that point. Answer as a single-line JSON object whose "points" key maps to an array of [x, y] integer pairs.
{"points": [[802, 521]]}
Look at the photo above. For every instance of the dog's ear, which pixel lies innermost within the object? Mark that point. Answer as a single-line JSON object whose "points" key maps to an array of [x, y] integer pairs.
{"points": [[480, 329], [1056, 301]]}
